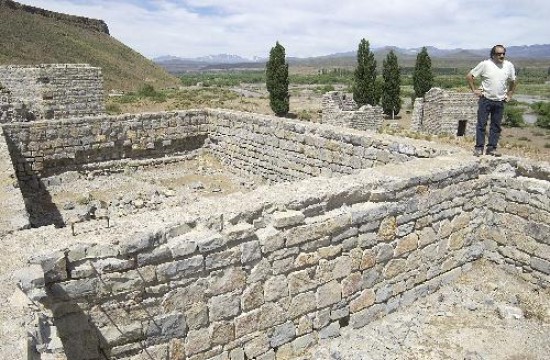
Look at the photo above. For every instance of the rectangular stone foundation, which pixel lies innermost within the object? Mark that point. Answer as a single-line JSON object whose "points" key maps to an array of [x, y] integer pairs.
{"points": [[272, 271]]}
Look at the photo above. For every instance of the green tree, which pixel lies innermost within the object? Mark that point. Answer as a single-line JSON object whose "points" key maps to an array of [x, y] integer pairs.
{"points": [[277, 80], [378, 87], [422, 75], [364, 91], [391, 90], [543, 114]]}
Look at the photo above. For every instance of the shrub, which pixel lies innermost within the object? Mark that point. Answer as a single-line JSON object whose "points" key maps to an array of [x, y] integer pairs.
{"points": [[513, 116], [304, 115], [543, 114], [148, 91]]}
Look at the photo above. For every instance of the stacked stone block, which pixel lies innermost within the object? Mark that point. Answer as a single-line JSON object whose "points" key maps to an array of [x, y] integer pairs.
{"points": [[42, 147], [341, 110], [275, 149], [265, 284], [55, 91], [441, 111], [285, 150], [517, 234]]}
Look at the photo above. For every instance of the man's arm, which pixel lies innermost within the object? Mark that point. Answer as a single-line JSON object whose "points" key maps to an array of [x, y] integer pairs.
{"points": [[511, 89], [471, 83]]}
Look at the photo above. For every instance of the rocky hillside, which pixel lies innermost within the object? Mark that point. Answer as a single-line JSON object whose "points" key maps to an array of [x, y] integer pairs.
{"points": [[30, 35]]}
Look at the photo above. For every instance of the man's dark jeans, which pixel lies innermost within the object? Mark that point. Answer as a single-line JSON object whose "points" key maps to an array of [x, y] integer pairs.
{"points": [[496, 110]]}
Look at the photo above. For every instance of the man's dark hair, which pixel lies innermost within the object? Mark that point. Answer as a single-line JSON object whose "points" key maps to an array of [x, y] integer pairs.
{"points": [[494, 49]]}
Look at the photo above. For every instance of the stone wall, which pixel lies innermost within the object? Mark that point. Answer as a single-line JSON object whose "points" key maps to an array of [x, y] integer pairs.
{"points": [[43, 147], [445, 112], [282, 149], [274, 148], [517, 231], [54, 91], [341, 110], [267, 274]]}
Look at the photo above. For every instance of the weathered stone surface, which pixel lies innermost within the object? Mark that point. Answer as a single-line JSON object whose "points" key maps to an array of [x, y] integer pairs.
{"points": [[283, 334], [328, 294], [223, 281], [167, 326], [253, 297], [364, 300], [388, 228], [256, 346], [180, 268], [250, 252], [282, 219], [301, 281], [196, 315], [197, 341], [302, 304], [224, 306], [275, 288], [406, 244]]}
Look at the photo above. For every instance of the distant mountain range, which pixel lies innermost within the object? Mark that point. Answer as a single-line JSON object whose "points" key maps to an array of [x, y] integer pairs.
{"points": [[440, 57]]}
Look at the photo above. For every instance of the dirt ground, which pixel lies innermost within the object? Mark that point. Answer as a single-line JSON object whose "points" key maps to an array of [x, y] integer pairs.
{"points": [[135, 187]]}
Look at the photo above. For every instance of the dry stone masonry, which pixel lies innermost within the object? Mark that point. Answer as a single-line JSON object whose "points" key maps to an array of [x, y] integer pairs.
{"points": [[353, 226], [265, 275], [52, 91], [445, 112], [340, 109]]}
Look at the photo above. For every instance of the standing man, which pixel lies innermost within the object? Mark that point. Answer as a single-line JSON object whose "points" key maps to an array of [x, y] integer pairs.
{"points": [[498, 82]]}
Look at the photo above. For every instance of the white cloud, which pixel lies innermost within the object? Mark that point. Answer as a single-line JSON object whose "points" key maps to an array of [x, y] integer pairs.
{"points": [[191, 28]]}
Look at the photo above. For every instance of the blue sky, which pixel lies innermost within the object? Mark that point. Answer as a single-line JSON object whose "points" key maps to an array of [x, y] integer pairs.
{"points": [[249, 28]]}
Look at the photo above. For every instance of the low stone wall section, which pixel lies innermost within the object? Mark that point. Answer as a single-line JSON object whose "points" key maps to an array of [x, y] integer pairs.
{"points": [[340, 109], [282, 149], [55, 91], [44, 147], [277, 149], [517, 229], [268, 274]]}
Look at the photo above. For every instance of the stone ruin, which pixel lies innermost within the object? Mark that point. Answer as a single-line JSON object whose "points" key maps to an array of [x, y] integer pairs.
{"points": [[353, 226], [339, 109], [445, 112], [50, 91]]}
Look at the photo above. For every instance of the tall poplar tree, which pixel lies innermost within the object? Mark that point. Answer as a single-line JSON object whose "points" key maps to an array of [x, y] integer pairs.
{"points": [[364, 91], [391, 90], [277, 80], [422, 76]]}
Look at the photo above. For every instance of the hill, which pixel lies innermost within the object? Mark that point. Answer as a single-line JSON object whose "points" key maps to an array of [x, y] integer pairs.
{"points": [[31, 35]]}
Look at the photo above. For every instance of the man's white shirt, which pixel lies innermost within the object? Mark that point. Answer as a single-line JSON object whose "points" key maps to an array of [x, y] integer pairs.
{"points": [[494, 78]]}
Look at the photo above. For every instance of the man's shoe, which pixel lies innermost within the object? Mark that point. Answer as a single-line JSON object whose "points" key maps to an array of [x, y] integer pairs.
{"points": [[478, 152], [493, 153]]}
